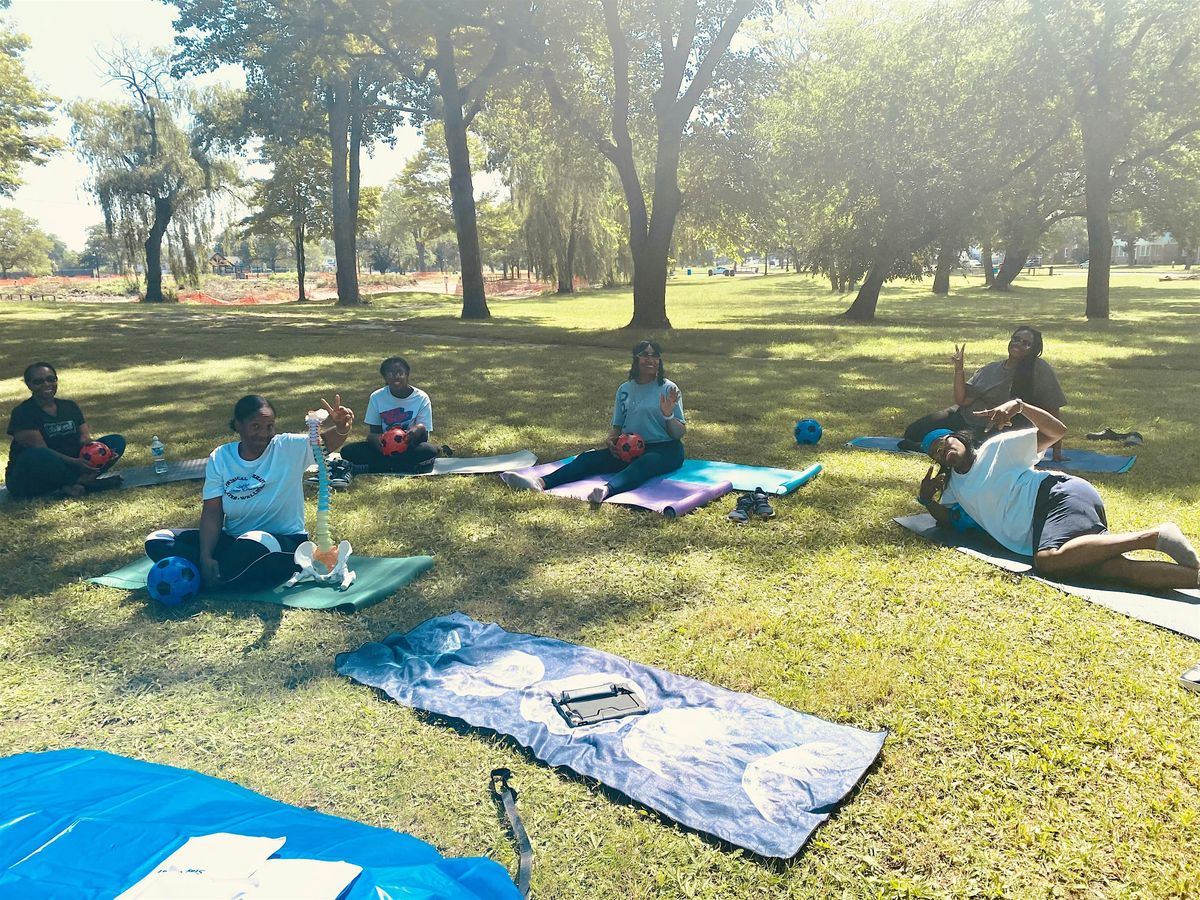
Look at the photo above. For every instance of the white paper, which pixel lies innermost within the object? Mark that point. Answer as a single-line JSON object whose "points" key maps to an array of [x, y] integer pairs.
{"points": [[237, 867]]}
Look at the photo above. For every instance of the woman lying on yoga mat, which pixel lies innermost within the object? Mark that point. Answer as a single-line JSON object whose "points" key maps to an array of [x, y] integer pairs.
{"points": [[647, 404], [48, 433], [397, 405], [1057, 519], [253, 499], [1024, 374]]}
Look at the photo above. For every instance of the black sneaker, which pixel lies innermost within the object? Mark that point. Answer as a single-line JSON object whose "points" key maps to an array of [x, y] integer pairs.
{"points": [[340, 474], [760, 506], [741, 512]]}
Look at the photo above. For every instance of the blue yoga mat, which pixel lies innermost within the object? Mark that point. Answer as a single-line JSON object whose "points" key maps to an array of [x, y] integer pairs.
{"points": [[1076, 460], [87, 825], [735, 766], [745, 478]]}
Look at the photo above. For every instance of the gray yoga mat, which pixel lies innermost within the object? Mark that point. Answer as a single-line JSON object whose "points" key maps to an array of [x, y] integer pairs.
{"points": [[144, 476], [1177, 611], [480, 465]]}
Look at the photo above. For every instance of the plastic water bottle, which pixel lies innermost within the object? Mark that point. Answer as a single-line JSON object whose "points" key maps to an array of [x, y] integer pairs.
{"points": [[158, 450]]}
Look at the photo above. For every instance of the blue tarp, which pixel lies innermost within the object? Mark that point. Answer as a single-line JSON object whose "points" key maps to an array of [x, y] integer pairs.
{"points": [[735, 766], [82, 824]]}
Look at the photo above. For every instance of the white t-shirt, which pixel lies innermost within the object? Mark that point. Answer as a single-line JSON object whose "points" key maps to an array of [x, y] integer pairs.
{"points": [[637, 410], [265, 494], [1000, 490], [386, 411]]}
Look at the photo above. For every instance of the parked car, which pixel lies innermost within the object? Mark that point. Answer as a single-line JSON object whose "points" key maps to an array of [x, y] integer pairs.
{"points": [[720, 270]]}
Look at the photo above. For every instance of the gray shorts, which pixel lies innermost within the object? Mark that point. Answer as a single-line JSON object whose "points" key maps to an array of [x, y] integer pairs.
{"points": [[1067, 507]]}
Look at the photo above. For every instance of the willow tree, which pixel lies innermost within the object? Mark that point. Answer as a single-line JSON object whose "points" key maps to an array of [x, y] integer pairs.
{"points": [[24, 111], [156, 156]]}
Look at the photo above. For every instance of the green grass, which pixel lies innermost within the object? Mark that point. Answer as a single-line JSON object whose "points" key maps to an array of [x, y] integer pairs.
{"points": [[1039, 745]]}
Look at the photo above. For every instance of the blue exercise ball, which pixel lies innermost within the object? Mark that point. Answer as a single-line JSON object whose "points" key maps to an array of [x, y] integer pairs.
{"points": [[173, 580], [808, 431]]}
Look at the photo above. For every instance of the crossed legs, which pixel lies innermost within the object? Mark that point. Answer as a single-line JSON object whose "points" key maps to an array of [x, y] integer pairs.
{"points": [[1102, 555]]}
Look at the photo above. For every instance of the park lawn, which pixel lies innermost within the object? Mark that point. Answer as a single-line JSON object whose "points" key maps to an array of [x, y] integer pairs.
{"points": [[1039, 745]]}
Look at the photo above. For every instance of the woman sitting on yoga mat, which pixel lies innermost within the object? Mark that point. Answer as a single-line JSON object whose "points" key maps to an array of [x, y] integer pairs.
{"points": [[1024, 374], [1057, 519], [397, 405], [48, 433], [647, 404], [253, 499]]}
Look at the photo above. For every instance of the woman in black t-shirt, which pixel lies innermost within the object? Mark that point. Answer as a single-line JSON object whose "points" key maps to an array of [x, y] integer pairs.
{"points": [[47, 435]]}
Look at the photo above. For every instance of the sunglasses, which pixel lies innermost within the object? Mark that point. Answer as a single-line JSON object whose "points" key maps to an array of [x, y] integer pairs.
{"points": [[49, 379], [648, 354]]}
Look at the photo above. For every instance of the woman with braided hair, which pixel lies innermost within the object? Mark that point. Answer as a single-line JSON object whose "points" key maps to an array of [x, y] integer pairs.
{"points": [[1023, 375]]}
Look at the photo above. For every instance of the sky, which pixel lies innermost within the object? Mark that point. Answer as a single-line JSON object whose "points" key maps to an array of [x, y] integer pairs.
{"points": [[65, 36]]}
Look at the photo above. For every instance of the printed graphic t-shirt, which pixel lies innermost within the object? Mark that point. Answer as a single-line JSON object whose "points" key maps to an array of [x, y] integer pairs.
{"points": [[636, 410], [60, 431], [265, 494], [386, 411], [992, 385]]}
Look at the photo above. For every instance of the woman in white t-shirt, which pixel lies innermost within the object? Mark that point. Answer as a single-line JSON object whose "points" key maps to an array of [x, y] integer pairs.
{"points": [[253, 499], [1057, 519], [648, 404]]}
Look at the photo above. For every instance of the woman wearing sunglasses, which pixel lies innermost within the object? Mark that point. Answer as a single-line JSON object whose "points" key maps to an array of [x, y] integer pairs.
{"points": [[1022, 374], [649, 404], [47, 434]]}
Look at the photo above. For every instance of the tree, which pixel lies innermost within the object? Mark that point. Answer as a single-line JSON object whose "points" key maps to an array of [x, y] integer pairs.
{"points": [[423, 197], [101, 249], [294, 199], [652, 71], [23, 246], [1131, 73], [156, 156], [24, 110], [307, 75], [389, 242]]}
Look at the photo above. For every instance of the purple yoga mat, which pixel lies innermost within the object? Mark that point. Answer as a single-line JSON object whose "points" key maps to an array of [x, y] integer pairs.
{"points": [[662, 495]]}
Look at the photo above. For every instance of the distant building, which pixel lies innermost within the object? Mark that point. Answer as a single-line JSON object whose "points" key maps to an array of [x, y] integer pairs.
{"points": [[226, 265]]}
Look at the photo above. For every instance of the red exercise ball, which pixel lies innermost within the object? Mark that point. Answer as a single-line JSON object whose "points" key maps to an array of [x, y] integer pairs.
{"points": [[629, 447], [393, 442], [95, 454]]}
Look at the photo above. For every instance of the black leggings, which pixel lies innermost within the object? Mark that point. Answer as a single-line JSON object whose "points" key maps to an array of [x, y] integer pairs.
{"points": [[953, 418], [418, 458], [659, 459], [246, 563], [39, 470]]}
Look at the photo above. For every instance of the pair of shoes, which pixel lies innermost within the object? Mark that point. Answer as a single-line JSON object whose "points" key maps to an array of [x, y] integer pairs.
{"points": [[750, 505], [1191, 679]]}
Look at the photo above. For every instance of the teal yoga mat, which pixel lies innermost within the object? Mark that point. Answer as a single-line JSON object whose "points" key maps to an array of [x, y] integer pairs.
{"points": [[744, 478], [378, 578]]}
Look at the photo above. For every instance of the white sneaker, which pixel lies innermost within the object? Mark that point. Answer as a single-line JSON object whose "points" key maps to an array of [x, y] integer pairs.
{"points": [[1191, 679]]}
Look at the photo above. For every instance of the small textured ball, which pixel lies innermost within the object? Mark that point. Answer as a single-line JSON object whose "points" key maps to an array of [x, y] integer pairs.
{"points": [[807, 431], [393, 442], [173, 580], [95, 454], [630, 447]]}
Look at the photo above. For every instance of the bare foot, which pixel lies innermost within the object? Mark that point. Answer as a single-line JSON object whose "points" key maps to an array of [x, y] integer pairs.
{"points": [[519, 482], [599, 494]]}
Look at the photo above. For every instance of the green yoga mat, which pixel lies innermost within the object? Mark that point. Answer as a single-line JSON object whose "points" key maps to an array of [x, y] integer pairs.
{"points": [[378, 578]]}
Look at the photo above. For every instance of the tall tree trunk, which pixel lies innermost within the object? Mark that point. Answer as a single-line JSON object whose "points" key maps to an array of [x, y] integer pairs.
{"points": [[941, 274], [985, 258], [863, 307], [162, 217], [298, 247], [354, 177], [1131, 250], [566, 269], [652, 246], [338, 103], [462, 190], [421, 261], [1014, 262]]}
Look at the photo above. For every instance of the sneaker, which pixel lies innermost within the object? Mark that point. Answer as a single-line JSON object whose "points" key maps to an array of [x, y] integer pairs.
{"points": [[761, 507], [340, 474], [1191, 679], [741, 512]]}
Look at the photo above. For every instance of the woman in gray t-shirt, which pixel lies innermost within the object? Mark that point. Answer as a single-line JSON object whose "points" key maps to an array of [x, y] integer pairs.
{"points": [[1023, 375]]}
